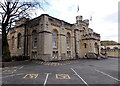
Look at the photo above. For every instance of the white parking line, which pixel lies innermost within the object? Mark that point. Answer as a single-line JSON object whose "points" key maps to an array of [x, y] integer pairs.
{"points": [[46, 79], [8, 73], [12, 75], [21, 67], [79, 76], [107, 75]]}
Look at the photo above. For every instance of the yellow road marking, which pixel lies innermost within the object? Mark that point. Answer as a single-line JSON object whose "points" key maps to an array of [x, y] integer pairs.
{"points": [[14, 67], [31, 76], [62, 76], [9, 70], [6, 67]]}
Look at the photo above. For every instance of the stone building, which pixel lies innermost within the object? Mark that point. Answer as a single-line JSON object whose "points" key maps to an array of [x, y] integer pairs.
{"points": [[0, 43], [48, 38], [111, 50]]}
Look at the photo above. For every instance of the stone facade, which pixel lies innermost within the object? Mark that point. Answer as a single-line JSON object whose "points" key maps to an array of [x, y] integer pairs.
{"points": [[48, 38], [0, 46], [111, 50]]}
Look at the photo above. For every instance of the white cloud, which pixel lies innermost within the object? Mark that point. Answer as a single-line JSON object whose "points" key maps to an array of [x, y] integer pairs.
{"points": [[101, 11], [104, 14]]}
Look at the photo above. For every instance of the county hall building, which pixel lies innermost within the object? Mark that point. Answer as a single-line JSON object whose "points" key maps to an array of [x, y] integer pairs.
{"points": [[51, 39]]}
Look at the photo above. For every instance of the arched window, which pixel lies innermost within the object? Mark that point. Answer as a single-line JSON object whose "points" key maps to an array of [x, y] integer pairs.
{"points": [[68, 40], [19, 41], [13, 42], [116, 48], [54, 38], [102, 48], [108, 48], [85, 45], [34, 38], [96, 45]]}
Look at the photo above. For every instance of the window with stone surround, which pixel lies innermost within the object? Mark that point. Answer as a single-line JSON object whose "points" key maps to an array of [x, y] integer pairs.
{"points": [[13, 40], [116, 48], [108, 48], [68, 40], [68, 53], [19, 43], [54, 38], [34, 38], [85, 45]]}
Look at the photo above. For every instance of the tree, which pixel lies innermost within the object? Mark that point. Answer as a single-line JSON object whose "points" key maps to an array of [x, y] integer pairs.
{"points": [[10, 11]]}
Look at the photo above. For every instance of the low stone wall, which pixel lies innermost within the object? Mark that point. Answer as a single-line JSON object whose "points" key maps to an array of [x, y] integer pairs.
{"points": [[14, 63], [112, 53]]}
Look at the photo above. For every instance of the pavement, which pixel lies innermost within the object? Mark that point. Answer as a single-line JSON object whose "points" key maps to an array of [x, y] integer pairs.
{"points": [[82, 72]]}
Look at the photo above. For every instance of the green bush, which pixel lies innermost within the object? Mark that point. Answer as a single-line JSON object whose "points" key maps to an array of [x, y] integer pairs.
{"points": [[20, 58], [14, 58], [6, 58]]}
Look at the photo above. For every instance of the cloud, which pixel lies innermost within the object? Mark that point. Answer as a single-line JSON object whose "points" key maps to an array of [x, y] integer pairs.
{"points": [[111, 37], [112, 18], [103, 12]]}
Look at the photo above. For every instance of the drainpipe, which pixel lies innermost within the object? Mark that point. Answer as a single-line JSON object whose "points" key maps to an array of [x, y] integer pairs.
{"points": [[76, 53], [27, 41], [24, 38], [98, 49]]}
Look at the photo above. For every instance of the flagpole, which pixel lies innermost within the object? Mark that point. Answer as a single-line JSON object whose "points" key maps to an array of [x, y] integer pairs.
{"points": [[91, 24], [78, 10]]}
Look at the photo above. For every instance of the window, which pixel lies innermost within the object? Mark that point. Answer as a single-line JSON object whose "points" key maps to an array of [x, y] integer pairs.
{"points": [[108, 48], [68, 53], [54, 39], [116, 48], [85, 45], [19, 41], [68, 40], [102, 48], [34, 39], [34, 55], [55, 54], [96, 45], [13, 42]]}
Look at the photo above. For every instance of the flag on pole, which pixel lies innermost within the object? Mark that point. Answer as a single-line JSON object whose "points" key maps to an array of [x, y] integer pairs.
{"points": [[91, 18], [77, 8]]}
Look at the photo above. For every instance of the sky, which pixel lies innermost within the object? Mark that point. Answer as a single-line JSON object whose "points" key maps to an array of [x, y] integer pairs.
{"points": [[104, 14]]}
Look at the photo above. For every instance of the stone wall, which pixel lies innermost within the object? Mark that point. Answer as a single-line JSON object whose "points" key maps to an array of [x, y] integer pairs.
{"points": [[14, 50], [112, 52]]}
